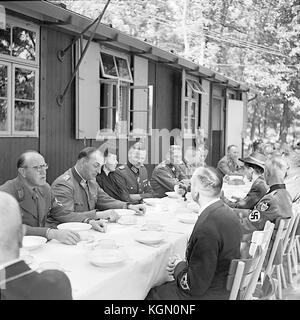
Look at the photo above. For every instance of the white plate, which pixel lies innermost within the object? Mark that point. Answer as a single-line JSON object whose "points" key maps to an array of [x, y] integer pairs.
{"points": [[33, 242], [188, 218], [127, 220], [150, 237], [75, 226], [152, 201], [121, 212], [173, 194], [107, 257]]}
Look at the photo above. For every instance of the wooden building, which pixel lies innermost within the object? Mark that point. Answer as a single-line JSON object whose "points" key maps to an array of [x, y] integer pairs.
{"points": [[123, 85]]}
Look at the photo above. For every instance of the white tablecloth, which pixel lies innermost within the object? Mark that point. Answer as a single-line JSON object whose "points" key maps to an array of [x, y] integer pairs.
{"points": [[144, 268]]}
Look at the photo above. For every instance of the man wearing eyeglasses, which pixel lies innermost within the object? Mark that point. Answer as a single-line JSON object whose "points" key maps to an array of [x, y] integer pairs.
{"points": [[33, 194], [80, 196]]}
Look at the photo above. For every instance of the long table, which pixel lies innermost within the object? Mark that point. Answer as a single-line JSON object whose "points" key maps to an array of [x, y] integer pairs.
{"points": [[144, 268]]}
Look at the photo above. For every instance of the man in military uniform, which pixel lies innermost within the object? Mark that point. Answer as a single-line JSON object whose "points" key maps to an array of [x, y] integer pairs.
{"points": [[133, 176], [230, 164], [80, 195], [33, 194], [275, 204], [17, 280], [214, 242], [168, 174]]}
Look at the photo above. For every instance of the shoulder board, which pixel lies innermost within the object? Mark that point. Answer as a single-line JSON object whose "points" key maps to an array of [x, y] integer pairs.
{"points": [[122, 167], [66, 177]]}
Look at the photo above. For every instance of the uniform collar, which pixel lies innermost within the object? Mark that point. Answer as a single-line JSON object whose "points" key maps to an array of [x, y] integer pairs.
{"points": [[106, 171], [23, 185], [133, 168], [78, 176], [9, 263], [276, 187]]}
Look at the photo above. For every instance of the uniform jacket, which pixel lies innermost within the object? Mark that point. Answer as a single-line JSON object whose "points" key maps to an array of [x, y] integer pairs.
{"points": [[214, 242], [164, 177], [110, 185], [229, 166], [47, 285], [275, 204], [258, 189], [134, 180], [35, 207], [79, 200]]}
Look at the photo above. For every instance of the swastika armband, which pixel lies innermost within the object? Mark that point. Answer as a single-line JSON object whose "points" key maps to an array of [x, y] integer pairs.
{"points": [[254, 216]]}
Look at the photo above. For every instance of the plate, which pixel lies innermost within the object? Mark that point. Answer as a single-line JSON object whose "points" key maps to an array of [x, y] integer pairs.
{"points": [[33, 242], [127, 220], [152, 201], [75, 226], [173, 194], [188, 218], [107, 257], [121, 212], [150, 237]]}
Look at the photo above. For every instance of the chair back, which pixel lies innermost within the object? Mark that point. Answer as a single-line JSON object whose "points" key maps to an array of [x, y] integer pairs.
{"points": [[261, 238], [293, 232], [240, 273]]}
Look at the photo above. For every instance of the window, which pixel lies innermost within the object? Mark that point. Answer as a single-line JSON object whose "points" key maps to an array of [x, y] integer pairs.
{"points": [[19, 73]]}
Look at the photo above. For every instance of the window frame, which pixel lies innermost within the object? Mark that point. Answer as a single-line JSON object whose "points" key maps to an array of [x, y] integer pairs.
{"points": [[16, 62], [114, 55]]}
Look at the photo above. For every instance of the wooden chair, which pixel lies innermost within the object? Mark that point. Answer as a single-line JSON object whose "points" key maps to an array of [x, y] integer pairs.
{"points": [[240, 274], [244, 273]]}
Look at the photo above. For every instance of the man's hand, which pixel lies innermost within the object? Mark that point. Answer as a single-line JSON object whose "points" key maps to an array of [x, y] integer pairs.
{"points": [[110, 215], [64, 236], [139, 209], [99, 225], [173, 261]]}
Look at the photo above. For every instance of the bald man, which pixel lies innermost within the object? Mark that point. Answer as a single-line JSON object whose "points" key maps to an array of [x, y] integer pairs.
{"points": [[33, 194], [17, 280], [214, 242]]}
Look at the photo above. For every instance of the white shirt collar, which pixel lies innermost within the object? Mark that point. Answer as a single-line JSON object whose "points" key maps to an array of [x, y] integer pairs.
{"points": [[207, 205], [106, 170], [11, 262], [79, 175]]}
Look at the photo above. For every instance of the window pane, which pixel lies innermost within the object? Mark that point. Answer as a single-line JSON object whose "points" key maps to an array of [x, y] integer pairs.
{"points": [[24, 84], [139, 122], [193, 109], [123, 68], [5, 41], [24, 43], [3, 81], [108, 65], [123, 102], [24, 116], [3, 115], [192, 125], [186, 108], [107, 118]]}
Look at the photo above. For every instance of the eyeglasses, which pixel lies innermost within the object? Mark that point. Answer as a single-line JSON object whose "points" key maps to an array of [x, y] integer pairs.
{"points": [[39, 168]]}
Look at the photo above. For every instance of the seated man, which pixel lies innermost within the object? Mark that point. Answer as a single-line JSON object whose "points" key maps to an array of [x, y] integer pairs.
{"points": [[17, 280], [214, 242], [255, 164], [276, 203], [230, 164], [193, 159], [168, 174], [33, 194], [106, 178], [133, 176], [292, 179], [80, 196]]}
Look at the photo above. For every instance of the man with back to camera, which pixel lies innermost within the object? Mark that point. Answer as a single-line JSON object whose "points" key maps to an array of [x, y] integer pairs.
{"points": [[214, 242], [80, 195], [33, 194], [17, 280]]}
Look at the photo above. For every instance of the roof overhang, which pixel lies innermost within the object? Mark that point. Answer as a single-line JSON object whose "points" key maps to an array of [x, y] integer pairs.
{"points": [[54, 16]]}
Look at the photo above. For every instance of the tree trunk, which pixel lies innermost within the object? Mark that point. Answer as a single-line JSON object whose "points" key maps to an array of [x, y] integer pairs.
{"points": [[284, 126], [253, 122]]}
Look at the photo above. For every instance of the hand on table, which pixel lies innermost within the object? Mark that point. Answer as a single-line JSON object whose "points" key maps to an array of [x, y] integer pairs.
{"points": [[64, 236], [99, 225], [173, 261], [139, 209], [110, 215]]}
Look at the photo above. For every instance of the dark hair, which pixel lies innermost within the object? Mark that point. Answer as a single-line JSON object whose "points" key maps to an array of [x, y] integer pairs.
{"points": [[109, 150], [86, 152], [22, 158], [231, 146]]}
